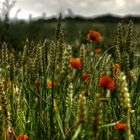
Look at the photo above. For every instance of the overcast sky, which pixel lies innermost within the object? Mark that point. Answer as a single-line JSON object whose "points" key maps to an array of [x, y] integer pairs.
{"points": [[79, 7]]}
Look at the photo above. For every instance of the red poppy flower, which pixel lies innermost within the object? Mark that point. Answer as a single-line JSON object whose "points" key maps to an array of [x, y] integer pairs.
{"points": [[49, 84], [75, 63], [120, 126], [107, 82], [86, 77], [94, 36], [23, 137]]}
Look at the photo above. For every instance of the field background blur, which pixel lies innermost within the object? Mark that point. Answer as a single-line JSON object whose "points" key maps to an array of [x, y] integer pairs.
{"points": [[75, 30]]}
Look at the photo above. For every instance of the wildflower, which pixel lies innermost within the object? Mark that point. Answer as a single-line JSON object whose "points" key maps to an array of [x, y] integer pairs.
{"points": [[107, 82], [86, 77], [98, 50], [120, 126], [94, 36], [75, 63], [49, 84], [23, 137], [37, 83]]}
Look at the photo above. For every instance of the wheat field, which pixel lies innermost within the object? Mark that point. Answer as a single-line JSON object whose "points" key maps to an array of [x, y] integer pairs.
{"points": [[53, 90]]}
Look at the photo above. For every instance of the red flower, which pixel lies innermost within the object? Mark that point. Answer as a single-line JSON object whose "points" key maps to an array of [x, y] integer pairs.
{"points": [[23, 137], [94, 36], [86, 77], [49, 84], [107, 82], [120, 126], [75, 63]]}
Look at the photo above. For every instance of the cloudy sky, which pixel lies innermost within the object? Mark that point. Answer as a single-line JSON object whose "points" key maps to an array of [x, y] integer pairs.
{"points": [[79, 7]]}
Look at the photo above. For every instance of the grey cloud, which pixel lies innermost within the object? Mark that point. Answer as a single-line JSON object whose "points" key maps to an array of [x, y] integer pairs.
{"points": [[81, 7]]}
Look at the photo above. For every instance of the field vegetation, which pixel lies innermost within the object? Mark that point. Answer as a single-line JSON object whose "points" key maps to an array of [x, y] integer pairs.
{"points": [[71, 80]]}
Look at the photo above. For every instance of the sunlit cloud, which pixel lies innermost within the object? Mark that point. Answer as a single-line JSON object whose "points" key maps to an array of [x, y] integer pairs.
{"points": [[120, 3]]}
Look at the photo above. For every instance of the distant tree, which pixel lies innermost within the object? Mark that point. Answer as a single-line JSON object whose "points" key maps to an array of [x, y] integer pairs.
{"points": [[30, 17], [6, 8], [16, 15], [70, 12], [43, 15]]}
